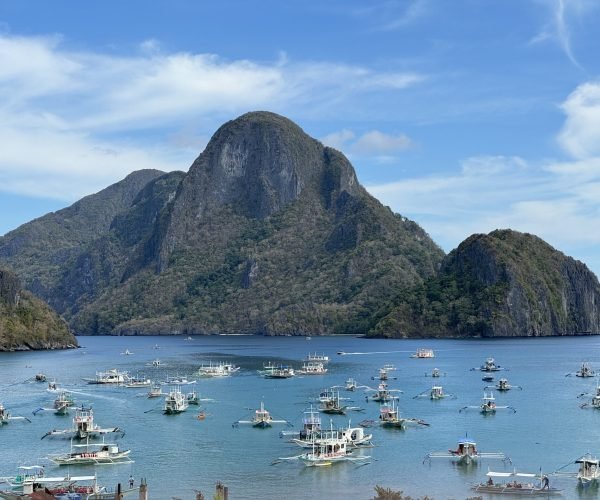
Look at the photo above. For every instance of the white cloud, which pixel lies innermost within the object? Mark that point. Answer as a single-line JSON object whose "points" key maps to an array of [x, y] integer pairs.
{"points": [[374, 143], [338, 140], [580, 135], [63, 111], [380, 143]]}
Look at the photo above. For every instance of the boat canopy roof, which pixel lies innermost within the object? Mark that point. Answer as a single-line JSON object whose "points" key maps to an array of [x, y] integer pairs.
{"points": [[510, 474], [588, 460], [466, 441], [31, 467], [64, 479]]}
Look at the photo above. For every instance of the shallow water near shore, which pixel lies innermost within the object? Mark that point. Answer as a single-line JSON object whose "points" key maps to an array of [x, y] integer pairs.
{"points": [[179, 454]]}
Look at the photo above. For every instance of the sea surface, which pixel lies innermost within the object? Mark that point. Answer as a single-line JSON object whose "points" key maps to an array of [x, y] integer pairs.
{"points": [[180, 454]]}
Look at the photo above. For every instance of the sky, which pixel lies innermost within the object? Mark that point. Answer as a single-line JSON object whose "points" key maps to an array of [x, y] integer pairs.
{"points": [[465, 115]]}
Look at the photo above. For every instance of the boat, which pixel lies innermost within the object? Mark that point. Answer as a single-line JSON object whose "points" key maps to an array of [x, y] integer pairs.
{"points": [[316, 358], [127, 352], [6, 417], [326, 450], [261, 419], [466, 453], [589, 471], [155, 391], [503, 385], [311, 427], [52, 387], [64, 400], [85, 454], [585, 371], [383, 394], [112, 376], [178, 381], [384, 372], [32, 479], [220, 369], [423, 354], [353, 436], [83, 426], [193, 398], [488, 405], [277, 371], [313, 368], [488, 378], [435, 393], [155, 363], [522, 484], [331, 403], [435, 373], [351, 384], [389, 417], [40, 377], [490, 366], [595, 401], [175, 402], [136, 382]]}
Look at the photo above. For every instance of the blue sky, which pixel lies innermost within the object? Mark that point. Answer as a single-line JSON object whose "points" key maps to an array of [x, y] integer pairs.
{"points": [[464, 115]]}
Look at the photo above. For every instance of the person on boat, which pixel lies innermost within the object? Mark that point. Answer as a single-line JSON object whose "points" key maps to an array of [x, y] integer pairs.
{"points": [[490, 482], [545, 483], [131, 481]]}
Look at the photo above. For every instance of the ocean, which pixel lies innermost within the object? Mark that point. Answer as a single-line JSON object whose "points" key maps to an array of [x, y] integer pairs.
{"points": [[181, 454]]}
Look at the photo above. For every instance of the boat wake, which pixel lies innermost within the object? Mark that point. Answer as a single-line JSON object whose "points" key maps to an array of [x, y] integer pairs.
{"points": [[343, 353]]}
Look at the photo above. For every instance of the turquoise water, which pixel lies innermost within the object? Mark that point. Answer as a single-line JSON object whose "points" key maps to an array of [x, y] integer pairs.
{"points": [[179, 454]]}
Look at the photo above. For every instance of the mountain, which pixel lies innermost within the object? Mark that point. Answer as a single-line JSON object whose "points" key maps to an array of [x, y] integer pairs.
{"points": [[269, 232], [504, 284], [26, 322]]}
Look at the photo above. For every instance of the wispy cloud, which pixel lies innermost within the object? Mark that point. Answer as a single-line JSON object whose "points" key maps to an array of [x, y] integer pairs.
{"points": [[70, 118], [390, 15], [373, 143], [557, 28]]}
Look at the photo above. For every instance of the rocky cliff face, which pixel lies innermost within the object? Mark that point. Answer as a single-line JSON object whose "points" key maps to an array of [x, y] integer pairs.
{"points": [[502, 284], [26, 322], [269, 232]]}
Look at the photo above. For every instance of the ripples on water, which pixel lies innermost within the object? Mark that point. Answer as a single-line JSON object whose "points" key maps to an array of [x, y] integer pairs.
{"points": [[179, 454]]}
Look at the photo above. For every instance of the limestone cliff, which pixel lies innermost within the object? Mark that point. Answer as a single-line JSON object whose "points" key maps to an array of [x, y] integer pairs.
{"points": [[26, 322]]}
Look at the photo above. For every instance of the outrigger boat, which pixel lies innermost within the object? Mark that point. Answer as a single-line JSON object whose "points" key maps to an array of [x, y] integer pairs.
{"points": [[155, 363], [40, 377], [595, 401], [489, 366], [220, 369], [331, 403], [423, 354], [193, 398], [261, 419], [127, 352], [85, 454], [326, 450], [175, 402], [83, 427], [6, 417], [466, 453], [503, 386], [311, 428], [518, 486], [389, 417], [488, 405], [277, 371], [317, 358], [62, 403], [585, 371], [31, 479], [435, 393], [384, 373], [435, 373], [178, 381], [313, 368], [155, 391], [113, 376], [589, 471], [383, 394], [136, 382]]}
